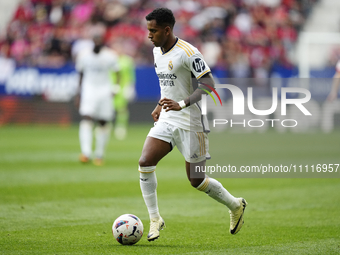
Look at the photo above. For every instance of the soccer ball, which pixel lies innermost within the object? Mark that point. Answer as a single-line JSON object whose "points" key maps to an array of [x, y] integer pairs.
{"points": [[127, 229]]}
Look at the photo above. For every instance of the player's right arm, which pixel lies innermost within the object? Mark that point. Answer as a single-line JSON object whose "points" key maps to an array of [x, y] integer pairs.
{"points": [[204, 84]]}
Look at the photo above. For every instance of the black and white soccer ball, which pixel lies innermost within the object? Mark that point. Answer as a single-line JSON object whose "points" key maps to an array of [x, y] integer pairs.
{"points": [[127, 229]]}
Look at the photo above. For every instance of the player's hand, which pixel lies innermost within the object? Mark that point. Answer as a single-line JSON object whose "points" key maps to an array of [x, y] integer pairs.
{"points": [[156, 112], [169, 104]]}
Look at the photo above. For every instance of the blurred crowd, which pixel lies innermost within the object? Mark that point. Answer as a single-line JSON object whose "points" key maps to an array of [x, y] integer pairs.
{"points": [[245, 37]]}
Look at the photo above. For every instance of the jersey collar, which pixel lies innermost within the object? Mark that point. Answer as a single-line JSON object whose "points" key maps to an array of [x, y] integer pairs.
{"points": [[170, 48]]}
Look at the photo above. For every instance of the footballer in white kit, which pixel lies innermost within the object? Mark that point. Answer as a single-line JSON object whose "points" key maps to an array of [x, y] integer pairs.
{"points": [[96, 92], [96, 95], [178, 121], [176, 70]]}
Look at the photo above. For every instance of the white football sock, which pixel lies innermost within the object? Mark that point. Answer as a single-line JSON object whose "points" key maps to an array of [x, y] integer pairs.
{"points": [[102, 134], [148, 185], [214, 189], [85, 137]]}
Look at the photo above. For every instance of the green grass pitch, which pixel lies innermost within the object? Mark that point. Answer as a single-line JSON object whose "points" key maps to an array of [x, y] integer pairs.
{"points": [[52, 204]]}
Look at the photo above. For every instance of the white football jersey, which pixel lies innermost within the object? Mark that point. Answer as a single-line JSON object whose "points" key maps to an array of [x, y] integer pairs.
{"points": [[175, 70], [96, 68]]}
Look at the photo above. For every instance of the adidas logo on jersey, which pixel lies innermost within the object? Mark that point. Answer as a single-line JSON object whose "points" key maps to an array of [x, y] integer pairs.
{"points": [[194, 156]]}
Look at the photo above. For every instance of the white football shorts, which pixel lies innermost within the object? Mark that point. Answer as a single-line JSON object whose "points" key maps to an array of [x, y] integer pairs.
{"points": [[194, 146], [98, 105]]}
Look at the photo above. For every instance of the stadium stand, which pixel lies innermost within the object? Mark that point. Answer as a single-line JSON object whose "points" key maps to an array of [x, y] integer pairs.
{"points": [[246, 37]]}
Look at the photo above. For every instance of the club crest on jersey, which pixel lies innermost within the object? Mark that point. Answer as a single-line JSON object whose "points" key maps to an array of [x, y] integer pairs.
{"points": [[170, 65], [198, 65]]}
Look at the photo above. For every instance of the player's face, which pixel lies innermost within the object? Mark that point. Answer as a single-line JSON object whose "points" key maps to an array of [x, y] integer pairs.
{"points": [[157, 34]]}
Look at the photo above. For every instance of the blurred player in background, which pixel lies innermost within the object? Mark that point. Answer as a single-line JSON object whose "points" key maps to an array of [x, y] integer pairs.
{"points": [[178, 120], [335, 85], [95, 98], [125, 91]]}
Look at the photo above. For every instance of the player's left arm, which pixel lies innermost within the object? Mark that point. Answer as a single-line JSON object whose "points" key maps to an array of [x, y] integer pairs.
{"points": [[205, 83]]}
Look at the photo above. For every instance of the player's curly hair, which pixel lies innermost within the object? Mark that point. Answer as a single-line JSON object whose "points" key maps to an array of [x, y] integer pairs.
{"points": [[163, 17]]}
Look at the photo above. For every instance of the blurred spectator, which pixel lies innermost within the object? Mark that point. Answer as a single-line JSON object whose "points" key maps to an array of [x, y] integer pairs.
{"points": [[57, 49], [25, 11], [82, 12], [19, 48], [113, 12], [57, 12]]}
